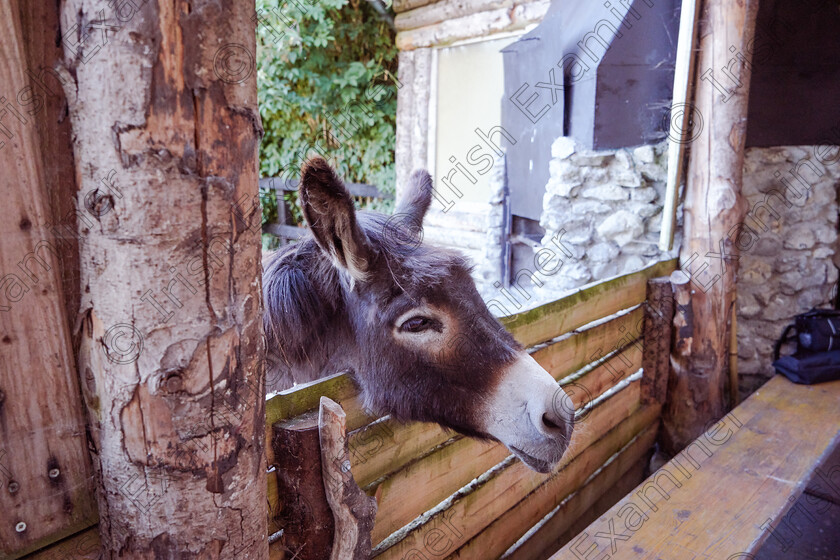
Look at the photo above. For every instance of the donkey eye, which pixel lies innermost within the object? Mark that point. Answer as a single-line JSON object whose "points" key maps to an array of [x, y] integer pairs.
{"points": [[417, 324]]}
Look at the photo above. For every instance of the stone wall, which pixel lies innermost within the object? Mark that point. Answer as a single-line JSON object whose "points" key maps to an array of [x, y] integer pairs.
{"points": [[792, 264], [607, 207]]}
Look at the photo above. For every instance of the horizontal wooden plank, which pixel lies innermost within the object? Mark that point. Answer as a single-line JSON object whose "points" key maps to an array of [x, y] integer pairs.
{"points": [[284, 231], [290, 185], [509, 527], [584, 306], [440, 474], [473, 508], [604, 489], [595, 380], [385, 446], [716, 497], [581, 347]]}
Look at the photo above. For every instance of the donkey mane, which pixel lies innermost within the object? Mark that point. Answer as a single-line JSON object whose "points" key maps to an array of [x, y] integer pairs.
{"points": [[305, 315]]}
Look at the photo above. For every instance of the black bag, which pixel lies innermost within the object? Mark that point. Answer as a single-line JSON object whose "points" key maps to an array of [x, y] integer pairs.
{"points": [[817, 356]]}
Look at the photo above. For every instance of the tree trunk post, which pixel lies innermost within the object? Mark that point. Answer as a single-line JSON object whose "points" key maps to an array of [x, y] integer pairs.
{"points": [[714, 210], [163, 103]]}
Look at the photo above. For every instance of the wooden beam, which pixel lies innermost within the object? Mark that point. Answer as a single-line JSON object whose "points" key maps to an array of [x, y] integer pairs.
{"points": [[45, 470], [713, 214], [588, 304], [171, 343], [352, 510]]}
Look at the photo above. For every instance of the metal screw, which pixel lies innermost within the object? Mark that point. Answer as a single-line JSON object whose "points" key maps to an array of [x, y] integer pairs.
{"points": [[54, 473], [13, 487], [20, 527]]}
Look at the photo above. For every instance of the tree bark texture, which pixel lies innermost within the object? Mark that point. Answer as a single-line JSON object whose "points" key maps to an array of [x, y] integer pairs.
{"points": [[714, 211], [163, 104]]}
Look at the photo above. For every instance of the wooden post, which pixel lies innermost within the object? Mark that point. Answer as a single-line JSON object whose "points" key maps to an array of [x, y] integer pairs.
{"points": [[713, 214], [305, 516], [45, 471], [163, 103], [354, 512]]}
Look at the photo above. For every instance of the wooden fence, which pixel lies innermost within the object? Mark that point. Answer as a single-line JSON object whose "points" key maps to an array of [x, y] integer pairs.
{"points": [[285, 228], [443, 495]]}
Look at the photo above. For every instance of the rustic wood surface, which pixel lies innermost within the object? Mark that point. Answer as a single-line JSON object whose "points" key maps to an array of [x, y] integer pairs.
{"points": [[45, 471], [760, 458], [303, 512], [352, 510], [582, 508], [659, 316]]}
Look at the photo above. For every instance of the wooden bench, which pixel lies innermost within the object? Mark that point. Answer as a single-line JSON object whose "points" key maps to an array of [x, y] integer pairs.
{"points": [[732, 488]]}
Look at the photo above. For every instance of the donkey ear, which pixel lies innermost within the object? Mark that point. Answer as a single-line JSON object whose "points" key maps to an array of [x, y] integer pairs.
{"points": [[328, 209], [415, 201]]}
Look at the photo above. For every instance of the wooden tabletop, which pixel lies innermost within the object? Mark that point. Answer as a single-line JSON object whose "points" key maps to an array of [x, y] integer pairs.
{"points": [[726, 493]]}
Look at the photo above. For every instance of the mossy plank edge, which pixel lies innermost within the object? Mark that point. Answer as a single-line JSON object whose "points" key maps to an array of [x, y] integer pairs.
{"points": [[509, 527], [606, 375], [635, 283], [307, 396], [471, 509]]}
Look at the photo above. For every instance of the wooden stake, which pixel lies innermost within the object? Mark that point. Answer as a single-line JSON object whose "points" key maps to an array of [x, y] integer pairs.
{"points": [[659, 315], [354, 512]]}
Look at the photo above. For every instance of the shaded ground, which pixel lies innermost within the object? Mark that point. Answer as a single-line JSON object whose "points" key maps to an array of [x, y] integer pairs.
{"points": [[811, 529]]}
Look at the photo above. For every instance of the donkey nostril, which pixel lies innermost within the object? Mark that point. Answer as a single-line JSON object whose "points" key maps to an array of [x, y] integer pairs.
{"points": [[550, 424]]}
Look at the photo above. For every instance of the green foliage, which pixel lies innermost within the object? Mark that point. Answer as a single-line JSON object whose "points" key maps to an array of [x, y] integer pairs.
{"points": [[326, 73]]}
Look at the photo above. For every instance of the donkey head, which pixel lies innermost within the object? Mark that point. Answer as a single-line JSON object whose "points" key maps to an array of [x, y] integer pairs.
{"points": [[427, 347]]}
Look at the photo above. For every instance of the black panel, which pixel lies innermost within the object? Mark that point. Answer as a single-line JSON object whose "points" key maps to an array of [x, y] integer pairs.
{"points": [[795, 87], [617, 61]]}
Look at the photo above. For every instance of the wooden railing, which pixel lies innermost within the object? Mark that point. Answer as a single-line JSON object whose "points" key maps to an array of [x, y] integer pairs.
{"points": [[443, 495], [285, 227]]}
